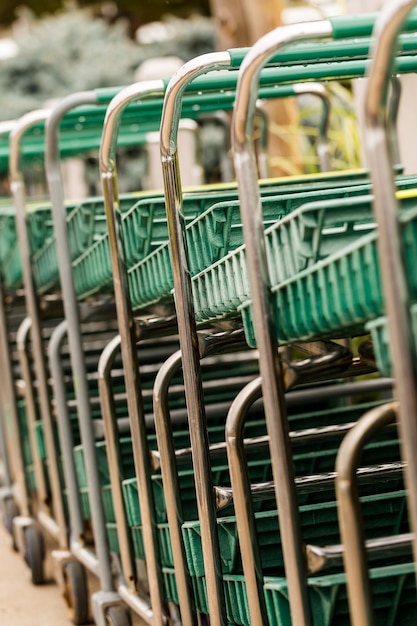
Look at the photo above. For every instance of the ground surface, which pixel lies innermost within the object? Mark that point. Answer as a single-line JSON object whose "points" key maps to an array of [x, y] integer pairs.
{"points": [[22, 604]]}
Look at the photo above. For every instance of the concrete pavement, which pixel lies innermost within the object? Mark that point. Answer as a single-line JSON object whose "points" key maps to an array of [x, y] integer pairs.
{"points": [[21, 603]]}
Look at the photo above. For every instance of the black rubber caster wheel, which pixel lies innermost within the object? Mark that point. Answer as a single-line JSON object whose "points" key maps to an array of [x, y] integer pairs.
{"points": [[34, 554], [118, 616], [76, 593], [10, 512]]}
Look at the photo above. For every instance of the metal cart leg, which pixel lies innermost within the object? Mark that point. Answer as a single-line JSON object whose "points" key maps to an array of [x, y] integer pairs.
{"points": [[349, 507], [128, 338], [391, 258], [11, 428], [111, 433], [208, 344], [8, 506], [127, 582], [58, 524], [327, 358], [22, 344], [270, 365], [169, 473], [106, 597], [69, 572], [187, 327]]}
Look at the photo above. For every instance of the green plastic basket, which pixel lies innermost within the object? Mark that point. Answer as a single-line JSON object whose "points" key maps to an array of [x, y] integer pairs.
{"points": [[393, 590], [145, 233], [381, 342], [211, 236], [86, 223], [39, 229], [324, 272], [384, 515]]}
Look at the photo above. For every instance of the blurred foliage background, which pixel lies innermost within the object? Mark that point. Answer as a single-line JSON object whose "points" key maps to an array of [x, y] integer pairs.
{"points": [[135, 13], [72, 50], [57, 48]]}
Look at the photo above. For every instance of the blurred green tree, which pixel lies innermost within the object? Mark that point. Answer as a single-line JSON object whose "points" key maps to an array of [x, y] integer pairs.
{"points": [[137, 13], [72, 51]]}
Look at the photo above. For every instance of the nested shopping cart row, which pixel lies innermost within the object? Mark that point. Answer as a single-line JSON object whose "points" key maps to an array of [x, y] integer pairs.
{"points": [[193, 474]]}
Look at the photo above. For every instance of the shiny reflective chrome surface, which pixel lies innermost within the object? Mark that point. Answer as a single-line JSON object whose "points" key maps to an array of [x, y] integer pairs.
{"points": [[128, 335], [187, 326], [270, 365], [390, 245], [350, 515], [32, 305]]}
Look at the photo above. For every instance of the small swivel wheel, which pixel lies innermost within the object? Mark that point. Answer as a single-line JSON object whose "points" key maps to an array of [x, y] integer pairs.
{"points": [[118, 616], [34, 551], [10, 512], [76, 593]]}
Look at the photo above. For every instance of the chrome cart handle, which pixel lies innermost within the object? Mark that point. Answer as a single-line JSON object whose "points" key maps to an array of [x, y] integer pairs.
{"points": [[391, 256]]}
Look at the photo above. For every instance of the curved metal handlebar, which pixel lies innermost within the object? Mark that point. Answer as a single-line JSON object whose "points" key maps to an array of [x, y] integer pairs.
{"points": [[391, 257], [323, 148], [138, 91], [17, 131], [72, 315], [18, 190], [270, 365], [349, 511], [186, 324]]}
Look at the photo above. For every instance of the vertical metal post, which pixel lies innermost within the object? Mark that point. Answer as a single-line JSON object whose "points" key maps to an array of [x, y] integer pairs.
{"points": [[10, 416], [171, 486], [390, 245], [114, 458], [22, 344], [72, 316], [65, 432], [350, 514], [32, 305], [264, 320], [323, 148], [128, 335], [245, 517], [187, 326]]}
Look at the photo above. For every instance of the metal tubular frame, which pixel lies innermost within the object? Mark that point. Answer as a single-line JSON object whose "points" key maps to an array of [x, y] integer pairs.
{"points": [[127, 331], [323, 148], [320, 557], [10, 416], [393, 109], [349, 511], [391, 257], [111, 434], [243, 504], [239, 475], [22, 344], [72, 315], [32, 305], [6, 480], [76, 527], [8, 467], [171, 486], [264, 323], [187, 325], [167, 463], [126, 584], [313, 483]]}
